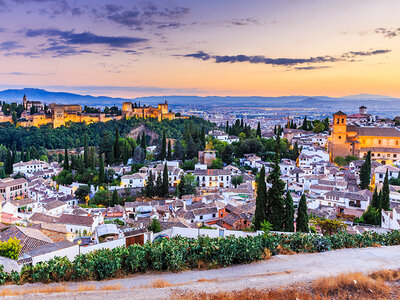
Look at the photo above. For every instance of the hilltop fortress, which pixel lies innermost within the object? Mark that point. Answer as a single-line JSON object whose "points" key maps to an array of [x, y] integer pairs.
{"points": [[37, 114]]}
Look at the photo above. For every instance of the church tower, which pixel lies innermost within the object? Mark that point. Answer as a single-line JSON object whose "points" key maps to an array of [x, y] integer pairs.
{"points": [[338, 143], [25, 102]]}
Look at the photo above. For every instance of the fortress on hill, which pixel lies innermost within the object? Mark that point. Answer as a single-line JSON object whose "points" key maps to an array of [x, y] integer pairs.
{"points": [[37, 114]]}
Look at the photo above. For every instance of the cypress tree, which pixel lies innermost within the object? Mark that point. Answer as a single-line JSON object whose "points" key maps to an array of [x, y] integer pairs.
{"points": [[258, 130], [8, 165], [2, 173], [163, 147], [302, 217], [275, 201], [23, 154], [289, 213], [165, 181], [365, 172], [143, 141], [178, 150], [138, 142], [159, 186], [227, 127], [14, 153], [169, 154], [125, 153], [385, 200], [114, 198], [203, 137], [149, 188], [375, 202], [295, 151], [86, 152], [101, 170], [28, 155], [117, 150], [261, 200], [305, 124], [275, 132], [181, 187], [92, 160], [66, 160]]}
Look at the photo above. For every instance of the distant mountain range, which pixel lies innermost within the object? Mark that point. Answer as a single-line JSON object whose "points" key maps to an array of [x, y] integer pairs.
{"points": [[374, 102]]}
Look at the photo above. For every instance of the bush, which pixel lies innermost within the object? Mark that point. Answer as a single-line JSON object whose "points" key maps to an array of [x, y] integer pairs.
{"points": [[11, 248], [180, 253]]}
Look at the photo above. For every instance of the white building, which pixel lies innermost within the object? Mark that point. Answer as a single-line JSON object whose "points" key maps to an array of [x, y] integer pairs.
{"points": [[213, 178], [30, 167], [380, 173], [137, 180]]}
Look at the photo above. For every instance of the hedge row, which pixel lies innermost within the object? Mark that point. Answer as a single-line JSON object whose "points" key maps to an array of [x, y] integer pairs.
{"points": [[181, 253]]}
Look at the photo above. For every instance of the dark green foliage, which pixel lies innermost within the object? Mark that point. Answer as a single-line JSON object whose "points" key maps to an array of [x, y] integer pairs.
{"points": [[305, 124], [169, 153], [155, 226], [275, 202], [115, 199], [82, 192], [8, 164], [149, 190], [178, 150], [86, 152], [288, 224], [227, 154], [237, 180], [261, 201], [258, 132], [101, 170], [66, 160], [180, 253], [365, 172], [163, 147], [165, 182], [385, 200], [117, 148], [302, 216]]}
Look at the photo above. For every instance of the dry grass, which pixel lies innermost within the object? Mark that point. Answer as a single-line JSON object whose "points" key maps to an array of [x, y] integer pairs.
{"points": [[386, 275], [247, 294], [354, 283], [86, 288], [111, 287], [160, 283]]}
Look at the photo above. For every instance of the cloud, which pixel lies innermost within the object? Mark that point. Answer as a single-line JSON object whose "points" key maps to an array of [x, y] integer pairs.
{"points": [[288, 62], [244, 22], [389, 33], [85, 38], [9, 46], [308, 68], [53, 8], [149, 14], [23, 74]]}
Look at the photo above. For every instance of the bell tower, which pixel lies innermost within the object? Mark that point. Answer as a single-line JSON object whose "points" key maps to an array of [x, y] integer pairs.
{"points": [[25, 102], [339, 128]]}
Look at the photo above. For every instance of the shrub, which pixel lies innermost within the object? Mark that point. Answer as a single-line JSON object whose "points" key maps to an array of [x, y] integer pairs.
{"points": [[11, 248]]}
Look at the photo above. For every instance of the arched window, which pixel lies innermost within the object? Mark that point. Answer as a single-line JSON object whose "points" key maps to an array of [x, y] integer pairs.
{"points": [[342, 120]]}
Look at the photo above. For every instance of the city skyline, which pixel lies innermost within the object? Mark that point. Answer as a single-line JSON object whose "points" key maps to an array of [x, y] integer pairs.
{"points": [[237, 48]]}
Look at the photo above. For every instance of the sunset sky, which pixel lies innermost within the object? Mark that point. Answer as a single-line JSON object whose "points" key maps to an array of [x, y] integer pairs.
{"points": [[208, 47]]}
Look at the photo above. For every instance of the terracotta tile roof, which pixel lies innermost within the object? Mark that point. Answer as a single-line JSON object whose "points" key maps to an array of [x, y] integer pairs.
{"points": [[75, 220]]}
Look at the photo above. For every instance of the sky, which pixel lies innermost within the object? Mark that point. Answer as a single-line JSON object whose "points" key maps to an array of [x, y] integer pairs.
{"points": [[208, 47]]}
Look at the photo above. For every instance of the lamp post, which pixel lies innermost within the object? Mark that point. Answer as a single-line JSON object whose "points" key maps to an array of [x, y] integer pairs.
{"points": [[198, 231], [79, 242]]}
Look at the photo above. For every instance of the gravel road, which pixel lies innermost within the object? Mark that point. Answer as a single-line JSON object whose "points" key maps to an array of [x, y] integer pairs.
{"points": [[278, 271]]}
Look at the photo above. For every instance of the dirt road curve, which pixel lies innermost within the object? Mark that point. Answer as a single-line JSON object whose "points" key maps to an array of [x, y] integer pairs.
{"points": [[278, 271]]}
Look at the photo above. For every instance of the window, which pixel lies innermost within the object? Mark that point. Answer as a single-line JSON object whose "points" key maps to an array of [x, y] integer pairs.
{"points": [[213, 215], [337, 121], [342, 120], [201, 217], [340, 137], [388, 155], [394, 155], [379, 142]]}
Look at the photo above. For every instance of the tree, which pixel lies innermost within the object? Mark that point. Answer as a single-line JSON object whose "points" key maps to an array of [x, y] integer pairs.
{"points": [[86, 152], [14, 118], [295, 151], [2, 173], [191, 150], [319, 128], [66, 160], [258, 132], [261, 200], [237, 180], [302, 217], [101, 170], [266, 226], [340, 161], [217, 164], [143, 141], [117, 150], [385, 200], [187, 185], [227, 154], [305, 124], [139, 155], [155, 226], [365, 172], [8, 165], [115, 198], [203, 137], [169, 153], [178, 150], [227, 127], [329, 227], [149, 188], [163, 147], [289, 213], [82, 192], [159, 186], [275, 202], [165, 181], [376, 201]]}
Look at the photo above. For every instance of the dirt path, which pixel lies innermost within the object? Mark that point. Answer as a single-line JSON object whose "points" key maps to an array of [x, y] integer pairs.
{"points": [[278, 271]]}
